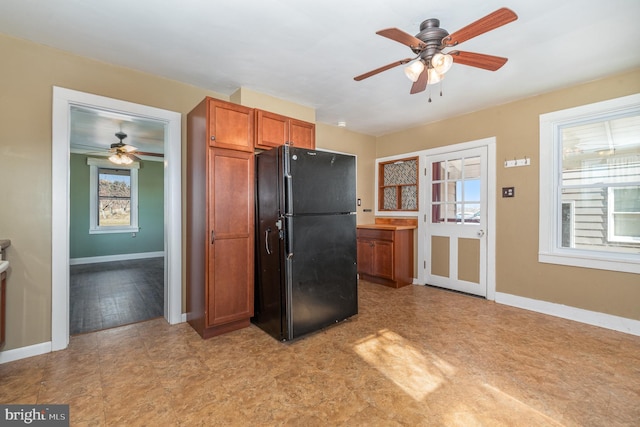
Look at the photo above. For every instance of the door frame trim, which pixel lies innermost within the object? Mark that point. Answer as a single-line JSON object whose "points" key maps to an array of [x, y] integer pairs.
{"points": [[490, 144], [63, 99]]}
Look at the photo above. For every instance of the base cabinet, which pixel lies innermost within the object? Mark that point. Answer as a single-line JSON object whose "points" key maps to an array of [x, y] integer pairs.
{"points": [[220, 224], [385, 256]]}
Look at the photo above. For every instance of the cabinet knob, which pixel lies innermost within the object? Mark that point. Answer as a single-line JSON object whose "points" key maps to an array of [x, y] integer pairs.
{"points": [[213, 138]]}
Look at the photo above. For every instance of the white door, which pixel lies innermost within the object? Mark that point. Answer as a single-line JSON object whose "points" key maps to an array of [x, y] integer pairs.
{"points": [[456, 221]]}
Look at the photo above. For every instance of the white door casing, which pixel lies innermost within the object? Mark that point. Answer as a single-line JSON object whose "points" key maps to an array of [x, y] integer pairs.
{"points": [[63, 99]]}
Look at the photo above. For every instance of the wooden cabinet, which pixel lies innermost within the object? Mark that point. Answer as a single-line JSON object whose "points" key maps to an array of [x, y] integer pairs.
{"points": [[228, 125], [385, 255], [273, 130], [220, 218]]}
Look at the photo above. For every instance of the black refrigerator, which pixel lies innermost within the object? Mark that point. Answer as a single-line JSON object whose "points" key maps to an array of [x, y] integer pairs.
{"points": [[306, 275]]}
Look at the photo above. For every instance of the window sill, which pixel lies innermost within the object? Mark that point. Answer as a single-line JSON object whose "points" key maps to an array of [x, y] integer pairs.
{"points": [[114, 230], [628, 264]]}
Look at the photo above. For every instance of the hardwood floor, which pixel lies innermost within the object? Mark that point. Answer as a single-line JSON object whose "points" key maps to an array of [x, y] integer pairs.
{"points": [[110, 294], [414, 356]]}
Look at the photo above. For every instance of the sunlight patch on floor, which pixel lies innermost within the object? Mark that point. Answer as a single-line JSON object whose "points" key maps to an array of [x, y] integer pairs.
{"points": [[414, 372]]}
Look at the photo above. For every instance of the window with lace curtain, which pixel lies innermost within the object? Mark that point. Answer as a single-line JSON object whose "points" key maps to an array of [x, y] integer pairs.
{"points": [[398, 185]]}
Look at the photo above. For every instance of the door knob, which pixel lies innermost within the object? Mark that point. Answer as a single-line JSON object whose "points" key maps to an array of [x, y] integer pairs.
{"points": [[480, 233]]}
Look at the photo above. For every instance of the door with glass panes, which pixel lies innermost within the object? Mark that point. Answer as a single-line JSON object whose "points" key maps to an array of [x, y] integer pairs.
{"points": [[456, 244]]}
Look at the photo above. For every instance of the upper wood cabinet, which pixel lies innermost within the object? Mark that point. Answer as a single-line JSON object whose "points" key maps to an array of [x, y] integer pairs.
{"points": [[273, 130], [230, 125]]}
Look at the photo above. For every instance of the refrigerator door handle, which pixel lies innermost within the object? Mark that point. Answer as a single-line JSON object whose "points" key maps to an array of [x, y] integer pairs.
{"points": [[266, 241], [288, 238], [289, 195]]}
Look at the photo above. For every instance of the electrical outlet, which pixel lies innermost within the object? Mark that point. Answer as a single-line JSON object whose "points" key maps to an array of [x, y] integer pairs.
{"points": [[508, 191]]}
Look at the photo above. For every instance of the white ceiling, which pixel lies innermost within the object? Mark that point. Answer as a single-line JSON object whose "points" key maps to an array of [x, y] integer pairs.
{"points": [[308, 51]]}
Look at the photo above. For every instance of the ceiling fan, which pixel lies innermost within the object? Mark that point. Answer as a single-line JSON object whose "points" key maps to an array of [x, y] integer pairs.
{"points": [[431, 63], [122, 154]]}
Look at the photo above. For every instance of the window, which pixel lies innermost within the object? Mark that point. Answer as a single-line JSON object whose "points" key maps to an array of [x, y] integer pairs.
{"points": [[455, 192], [624, 215], [590, 186], [113, 197], [398, 185]]}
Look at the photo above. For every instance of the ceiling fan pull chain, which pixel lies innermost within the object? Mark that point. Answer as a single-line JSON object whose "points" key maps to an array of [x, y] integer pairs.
{"points": [[429, 94], [440, 87]]}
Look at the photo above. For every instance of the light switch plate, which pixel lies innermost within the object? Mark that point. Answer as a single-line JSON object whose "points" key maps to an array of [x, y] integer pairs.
{"points": [[508, 191]]}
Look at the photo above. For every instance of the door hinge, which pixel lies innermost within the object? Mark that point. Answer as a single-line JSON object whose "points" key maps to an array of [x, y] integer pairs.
{"points": [[425, 264]]}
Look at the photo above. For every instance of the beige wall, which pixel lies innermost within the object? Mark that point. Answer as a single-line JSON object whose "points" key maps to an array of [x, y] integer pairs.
{"points": [[249, 98], [516, 128]]}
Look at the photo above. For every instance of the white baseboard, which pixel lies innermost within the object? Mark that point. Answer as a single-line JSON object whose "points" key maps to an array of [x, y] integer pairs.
{"points": [[603, 320], [120, 257], [24, 352]]}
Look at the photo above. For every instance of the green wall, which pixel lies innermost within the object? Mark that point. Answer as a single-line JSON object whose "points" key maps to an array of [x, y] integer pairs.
{"points": [[150, 238]]}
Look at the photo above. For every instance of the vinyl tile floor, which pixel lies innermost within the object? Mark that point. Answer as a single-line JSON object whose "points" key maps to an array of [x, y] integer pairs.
{"points": [[109, 294], [415, 356]]}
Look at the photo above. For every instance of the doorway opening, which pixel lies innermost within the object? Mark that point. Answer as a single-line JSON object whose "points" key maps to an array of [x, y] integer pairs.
{"points": [[63, 102], [116, 219]]}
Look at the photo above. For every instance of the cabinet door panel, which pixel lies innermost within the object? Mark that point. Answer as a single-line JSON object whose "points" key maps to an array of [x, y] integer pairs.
{"points": [[302, 134], [231, 236], [365, 256], [230, 298], [230, 126], [383, 259], [272, 129]]}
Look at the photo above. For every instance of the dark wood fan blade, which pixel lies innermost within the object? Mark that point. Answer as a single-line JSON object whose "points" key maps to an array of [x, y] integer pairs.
{"points": [[402, 37], [480, 60], [490, 22], [147, 153], [381, 69], [421, 83], [134, 157]]}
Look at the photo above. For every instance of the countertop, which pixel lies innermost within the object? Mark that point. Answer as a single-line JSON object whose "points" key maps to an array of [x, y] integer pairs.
{"points": [[387, 227]]}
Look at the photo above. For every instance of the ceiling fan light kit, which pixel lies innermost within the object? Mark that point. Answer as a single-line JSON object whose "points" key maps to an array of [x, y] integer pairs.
{"points": [[431, 63], [122, 153], [442, 62], [120, 159], [414, 69]]}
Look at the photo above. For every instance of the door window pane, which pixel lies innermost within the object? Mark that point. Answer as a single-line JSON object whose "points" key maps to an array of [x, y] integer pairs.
{"points": [[459, 189]]}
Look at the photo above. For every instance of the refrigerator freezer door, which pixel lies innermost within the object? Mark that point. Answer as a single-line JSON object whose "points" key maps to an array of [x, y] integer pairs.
{"points": [[319, 182], [321, 276]]}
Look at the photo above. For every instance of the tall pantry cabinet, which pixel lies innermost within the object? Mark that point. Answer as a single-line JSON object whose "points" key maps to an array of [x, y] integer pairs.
{"points": [[220, 217]]}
